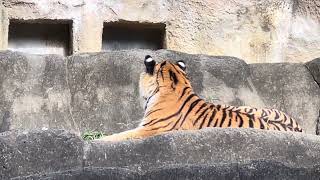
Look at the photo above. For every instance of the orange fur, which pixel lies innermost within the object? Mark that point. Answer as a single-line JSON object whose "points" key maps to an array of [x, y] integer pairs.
{"points": [[171, 104]]}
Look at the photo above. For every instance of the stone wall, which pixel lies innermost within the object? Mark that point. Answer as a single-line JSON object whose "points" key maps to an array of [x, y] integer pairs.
{"points": [[100, 91], [257, 31]]}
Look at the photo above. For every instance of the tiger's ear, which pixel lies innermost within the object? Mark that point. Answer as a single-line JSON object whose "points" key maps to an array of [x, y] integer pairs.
{"points": [[149, 62], [182, 65]]}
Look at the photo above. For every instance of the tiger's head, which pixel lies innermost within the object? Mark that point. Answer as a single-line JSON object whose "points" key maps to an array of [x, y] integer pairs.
{"points": [[165, 78]]}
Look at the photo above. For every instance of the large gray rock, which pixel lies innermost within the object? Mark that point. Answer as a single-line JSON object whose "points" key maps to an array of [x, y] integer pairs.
{"points": [[209, 146], [253, 170], [39, 152], [100, 91], [205, 154], [314, 67], [291, 88]]}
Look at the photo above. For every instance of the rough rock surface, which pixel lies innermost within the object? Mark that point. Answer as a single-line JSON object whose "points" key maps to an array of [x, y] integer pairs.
{"points": [[100, 91], [290, 88], [212, 152], [314, 68], [253, 170], [39, 152]]}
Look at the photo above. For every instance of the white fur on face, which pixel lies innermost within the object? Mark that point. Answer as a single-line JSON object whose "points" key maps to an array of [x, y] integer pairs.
{"points": [[146, 90]]}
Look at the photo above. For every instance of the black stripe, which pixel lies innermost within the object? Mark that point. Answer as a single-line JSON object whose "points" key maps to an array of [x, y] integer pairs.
{"points": [[160, 127], [212, 117], [250, 111], [261, 124], [285, 117], [276, 127], [193, 104], [175, 124], [277, 115], [251, 116], [224, 114], [263, 114], [297, 125], [230, 118], [149, 122], [183, 92], [185, 102], [250, 123], [150, 112], [157, 80], [218, 107], [161, 71], [173, 87], [291, 122], [283, 126], [173, 77], [290, 127], [229, 124], [201, 107], [161, 68], [163, 63], [204, 119], [216, 123], [175, 68], [194, 123], [241, 120], [163, 119]]}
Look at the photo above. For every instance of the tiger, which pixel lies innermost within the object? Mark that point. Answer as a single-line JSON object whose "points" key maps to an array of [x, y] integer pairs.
{"points": [[171, 104]]}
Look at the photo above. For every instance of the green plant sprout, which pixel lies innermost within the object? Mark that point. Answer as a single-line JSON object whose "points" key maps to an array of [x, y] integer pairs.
{"points": [[92, 135]]}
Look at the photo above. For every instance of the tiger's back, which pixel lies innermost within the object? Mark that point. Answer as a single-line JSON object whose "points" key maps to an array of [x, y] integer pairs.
{"points": [[171, 104]]}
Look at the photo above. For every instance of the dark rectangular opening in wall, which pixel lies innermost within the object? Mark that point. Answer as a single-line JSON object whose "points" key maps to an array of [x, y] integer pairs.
{"points": [[133, 35], [40, 37]]}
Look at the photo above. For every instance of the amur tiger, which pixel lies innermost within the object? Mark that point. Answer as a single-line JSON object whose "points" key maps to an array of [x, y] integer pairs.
{"points": [[171, 104]]}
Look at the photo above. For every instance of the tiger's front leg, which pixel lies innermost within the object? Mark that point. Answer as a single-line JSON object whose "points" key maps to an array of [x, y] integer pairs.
{"points": [[136, 133]]}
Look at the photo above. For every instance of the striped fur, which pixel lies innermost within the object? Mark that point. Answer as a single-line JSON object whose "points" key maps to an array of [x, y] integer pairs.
{"points": [[171, 104]]}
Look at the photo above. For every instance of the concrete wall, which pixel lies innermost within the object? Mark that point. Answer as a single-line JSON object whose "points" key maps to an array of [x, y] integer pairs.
{"points": [[4, 22], [257, 31]]}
